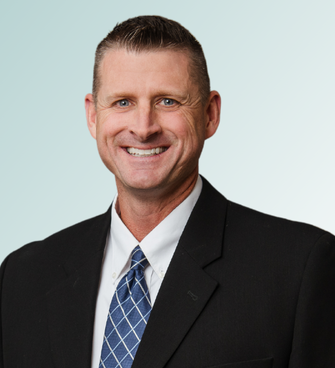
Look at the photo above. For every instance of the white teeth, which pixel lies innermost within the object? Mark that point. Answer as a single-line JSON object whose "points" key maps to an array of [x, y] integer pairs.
{"points": [[145, 153]]}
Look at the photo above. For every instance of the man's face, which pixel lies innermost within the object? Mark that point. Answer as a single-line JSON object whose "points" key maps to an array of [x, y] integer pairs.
{"points": [[149, 121]]}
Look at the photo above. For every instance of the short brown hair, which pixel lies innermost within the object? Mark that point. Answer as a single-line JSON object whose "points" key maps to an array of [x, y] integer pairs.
{"points": [[145, 33]]}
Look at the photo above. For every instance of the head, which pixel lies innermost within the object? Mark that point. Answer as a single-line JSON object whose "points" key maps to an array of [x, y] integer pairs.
{"points": [[150, 33], [151, 109]]}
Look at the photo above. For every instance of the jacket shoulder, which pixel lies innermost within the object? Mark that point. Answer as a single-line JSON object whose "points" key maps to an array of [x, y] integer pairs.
{"points": [[79, 238], [271, 229], [249, 222]]}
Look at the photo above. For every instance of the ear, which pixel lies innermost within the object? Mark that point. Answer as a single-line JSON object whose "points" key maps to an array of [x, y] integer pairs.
{"points": [[213, 113], [91, 115]]}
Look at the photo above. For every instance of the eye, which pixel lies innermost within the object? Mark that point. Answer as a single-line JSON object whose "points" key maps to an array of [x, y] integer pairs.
{"points": [[123, 103], [168, 101]]}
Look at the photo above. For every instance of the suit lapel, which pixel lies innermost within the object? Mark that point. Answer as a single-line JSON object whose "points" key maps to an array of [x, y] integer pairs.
{"points": [[71, 304], [187, 287]]}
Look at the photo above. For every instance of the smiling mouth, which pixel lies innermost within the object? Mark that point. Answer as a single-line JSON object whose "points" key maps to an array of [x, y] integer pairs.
{"points": [[145, 152]]}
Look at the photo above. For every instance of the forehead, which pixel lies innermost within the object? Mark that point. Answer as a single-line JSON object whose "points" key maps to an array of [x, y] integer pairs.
{"points": [[161, 68]]}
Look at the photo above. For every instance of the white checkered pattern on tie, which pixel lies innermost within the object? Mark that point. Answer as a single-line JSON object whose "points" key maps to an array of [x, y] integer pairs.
{"points": [[128, 315]]}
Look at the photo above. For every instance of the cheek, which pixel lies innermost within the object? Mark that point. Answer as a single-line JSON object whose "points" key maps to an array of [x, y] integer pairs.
{"points": [[183, 123], [108, 128], [194, 127]]}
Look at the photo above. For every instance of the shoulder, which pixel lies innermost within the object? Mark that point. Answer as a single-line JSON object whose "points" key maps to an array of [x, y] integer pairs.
{"points": [[80, 238], [256, 222], [279, 246], [247, 227]]}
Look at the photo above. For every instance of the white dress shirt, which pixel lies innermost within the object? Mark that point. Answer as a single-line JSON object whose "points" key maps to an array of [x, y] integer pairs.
{"points": [[158, 246]]}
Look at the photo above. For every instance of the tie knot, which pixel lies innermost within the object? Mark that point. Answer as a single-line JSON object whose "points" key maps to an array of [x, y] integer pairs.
{"points": [[138, 259]]}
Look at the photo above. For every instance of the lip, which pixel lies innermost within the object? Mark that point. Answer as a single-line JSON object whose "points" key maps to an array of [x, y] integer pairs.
{"points": [[148, 147]]}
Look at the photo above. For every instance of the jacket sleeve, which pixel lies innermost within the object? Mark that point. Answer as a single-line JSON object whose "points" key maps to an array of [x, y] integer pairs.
{"points": [[314, 331]]}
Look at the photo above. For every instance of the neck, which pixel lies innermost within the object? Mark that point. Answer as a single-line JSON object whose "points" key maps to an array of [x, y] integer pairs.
{"points": [[141, 214]]}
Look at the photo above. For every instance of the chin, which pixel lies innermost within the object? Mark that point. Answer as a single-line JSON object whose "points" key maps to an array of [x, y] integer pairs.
{"points": [[141, 182], [146, 185]]}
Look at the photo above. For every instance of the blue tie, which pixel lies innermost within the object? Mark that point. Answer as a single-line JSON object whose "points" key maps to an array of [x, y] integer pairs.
{"points": [[127, 317]]}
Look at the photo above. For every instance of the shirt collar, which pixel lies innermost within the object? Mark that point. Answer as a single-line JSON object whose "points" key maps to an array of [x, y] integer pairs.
{"points": [[160, 244]]}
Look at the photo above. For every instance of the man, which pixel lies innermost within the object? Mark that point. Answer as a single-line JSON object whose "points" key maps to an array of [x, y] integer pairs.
{"points": [[183, 277]]}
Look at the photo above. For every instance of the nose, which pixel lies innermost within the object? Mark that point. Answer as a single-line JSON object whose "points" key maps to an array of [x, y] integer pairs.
{"points": [[145, 123]]}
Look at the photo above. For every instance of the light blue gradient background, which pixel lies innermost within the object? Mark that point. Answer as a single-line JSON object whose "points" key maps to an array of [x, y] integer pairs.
{"points": [[272, 61]]}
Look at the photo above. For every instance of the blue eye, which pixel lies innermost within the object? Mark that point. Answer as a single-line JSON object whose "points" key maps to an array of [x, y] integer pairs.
{"points": [[168, 101], [123, 103]]}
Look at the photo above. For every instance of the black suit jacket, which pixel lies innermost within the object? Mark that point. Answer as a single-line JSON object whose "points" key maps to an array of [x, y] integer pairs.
{"points": [[243, 290]]}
